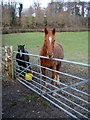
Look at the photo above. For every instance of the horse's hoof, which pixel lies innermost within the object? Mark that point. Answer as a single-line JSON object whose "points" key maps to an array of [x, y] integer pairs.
{"points": [[58, 83], [44, 91], [54, 94]]}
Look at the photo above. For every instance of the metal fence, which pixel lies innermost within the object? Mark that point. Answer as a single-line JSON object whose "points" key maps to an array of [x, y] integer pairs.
{"points": [[72, 94]]}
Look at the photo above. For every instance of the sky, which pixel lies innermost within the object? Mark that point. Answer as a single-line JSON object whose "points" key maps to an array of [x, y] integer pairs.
{"points": [[44, 3], [27, 3]]}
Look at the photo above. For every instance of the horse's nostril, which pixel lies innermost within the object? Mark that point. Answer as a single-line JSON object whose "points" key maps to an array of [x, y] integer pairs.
{"points": [[50, 56]]}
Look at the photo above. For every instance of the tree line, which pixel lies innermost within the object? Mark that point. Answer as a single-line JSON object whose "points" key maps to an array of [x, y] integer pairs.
{"points": [[56, 14]]}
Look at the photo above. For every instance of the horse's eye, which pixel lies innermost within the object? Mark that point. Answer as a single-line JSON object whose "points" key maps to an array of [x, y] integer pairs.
{"points": [[45, 40], [54, 40]]}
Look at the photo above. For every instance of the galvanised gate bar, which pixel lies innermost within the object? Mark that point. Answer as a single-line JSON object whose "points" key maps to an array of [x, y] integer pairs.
{"points": [[72, 93]]}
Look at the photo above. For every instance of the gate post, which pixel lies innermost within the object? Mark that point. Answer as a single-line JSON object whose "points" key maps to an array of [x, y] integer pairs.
{"points": [[10, 63], [14, 66]]}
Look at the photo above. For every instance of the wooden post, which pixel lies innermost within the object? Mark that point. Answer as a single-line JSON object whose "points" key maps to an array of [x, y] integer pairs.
{"points": [[12, 65]]}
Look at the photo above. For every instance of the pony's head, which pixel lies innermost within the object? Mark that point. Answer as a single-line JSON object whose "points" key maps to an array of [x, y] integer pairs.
{"points": [[49, 42], [21, 49]]}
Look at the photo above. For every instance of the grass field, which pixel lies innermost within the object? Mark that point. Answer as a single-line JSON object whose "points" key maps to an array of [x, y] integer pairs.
{"points": [[75, 44]]}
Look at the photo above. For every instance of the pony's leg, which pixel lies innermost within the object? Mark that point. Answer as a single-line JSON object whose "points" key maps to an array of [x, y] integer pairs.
{"points": [[21, 69], [44, 79], [24, 67]]}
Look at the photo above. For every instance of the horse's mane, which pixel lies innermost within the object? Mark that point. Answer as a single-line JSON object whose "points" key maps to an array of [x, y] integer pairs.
{"points": [[60, 45]]}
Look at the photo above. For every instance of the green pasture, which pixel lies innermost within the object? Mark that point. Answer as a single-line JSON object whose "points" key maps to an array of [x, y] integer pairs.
{"points": [[75, 44]]}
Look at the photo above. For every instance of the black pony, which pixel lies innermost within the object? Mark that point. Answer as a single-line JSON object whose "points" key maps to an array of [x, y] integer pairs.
{"points": [[22, 59]]}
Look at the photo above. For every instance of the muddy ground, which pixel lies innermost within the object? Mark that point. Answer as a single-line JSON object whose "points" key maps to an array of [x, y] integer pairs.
{"points": [[20, 102]]}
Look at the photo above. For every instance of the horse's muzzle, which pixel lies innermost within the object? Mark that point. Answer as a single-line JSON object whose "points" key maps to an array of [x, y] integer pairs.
{"points": [[20, 54], [50, 56]]}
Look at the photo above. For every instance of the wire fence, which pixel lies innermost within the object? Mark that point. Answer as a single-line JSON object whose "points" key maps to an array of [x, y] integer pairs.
{"points": [[72, 94]]}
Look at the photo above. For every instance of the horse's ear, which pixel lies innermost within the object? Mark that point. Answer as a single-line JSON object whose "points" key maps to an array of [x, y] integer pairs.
{"points": [[46, 31], [53, 31]]}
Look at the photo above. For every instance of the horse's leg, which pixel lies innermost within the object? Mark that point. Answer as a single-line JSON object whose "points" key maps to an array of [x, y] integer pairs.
{"points": [[44, 78], [54, 77], [57, 74]]}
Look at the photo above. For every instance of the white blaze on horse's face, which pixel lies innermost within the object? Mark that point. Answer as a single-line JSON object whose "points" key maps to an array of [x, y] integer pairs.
{"points": [[49, 42], [50, 46], [50, 39]]}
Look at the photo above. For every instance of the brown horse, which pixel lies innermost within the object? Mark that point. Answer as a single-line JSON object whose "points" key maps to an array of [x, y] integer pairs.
{"points": [[52, 50]]}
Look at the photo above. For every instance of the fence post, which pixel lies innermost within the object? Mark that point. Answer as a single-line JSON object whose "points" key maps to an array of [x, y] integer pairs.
{"points": [[40, 78], [14, 64]]}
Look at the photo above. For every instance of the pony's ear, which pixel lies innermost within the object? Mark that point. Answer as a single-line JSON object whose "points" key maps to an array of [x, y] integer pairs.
{"points": [[46, 31], [23, 45], [53, 31]]}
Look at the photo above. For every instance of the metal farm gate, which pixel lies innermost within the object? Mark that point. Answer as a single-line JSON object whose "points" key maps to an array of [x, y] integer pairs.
{"points": [[72, 93]]}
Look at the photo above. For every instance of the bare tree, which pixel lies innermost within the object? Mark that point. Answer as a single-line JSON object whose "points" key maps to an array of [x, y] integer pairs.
{"points": [[39, 15], [20, 10], [24, 20]]}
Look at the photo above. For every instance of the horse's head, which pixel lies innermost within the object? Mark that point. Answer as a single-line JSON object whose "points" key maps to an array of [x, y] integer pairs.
{"points": [[21, 49], [49, 42]]}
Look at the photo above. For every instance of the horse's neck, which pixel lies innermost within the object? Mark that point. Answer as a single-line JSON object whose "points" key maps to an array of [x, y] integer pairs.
{"points": [[43, 51], [23, 51]]}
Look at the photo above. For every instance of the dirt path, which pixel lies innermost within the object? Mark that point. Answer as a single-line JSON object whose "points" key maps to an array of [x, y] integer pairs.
{"points": [[20, 102]]}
